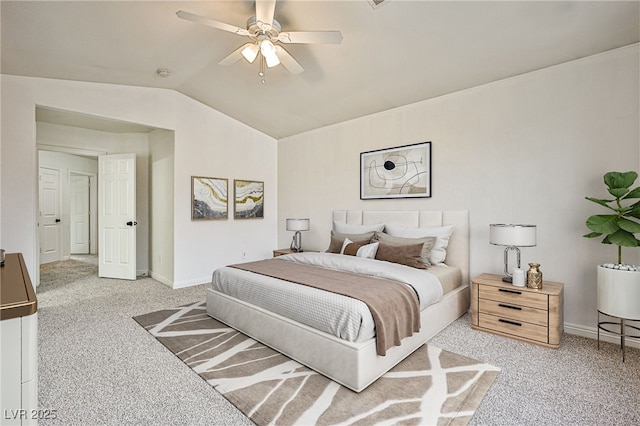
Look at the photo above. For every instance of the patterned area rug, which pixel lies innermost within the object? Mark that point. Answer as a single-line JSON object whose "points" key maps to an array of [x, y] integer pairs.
{"points": [[431, 386]]}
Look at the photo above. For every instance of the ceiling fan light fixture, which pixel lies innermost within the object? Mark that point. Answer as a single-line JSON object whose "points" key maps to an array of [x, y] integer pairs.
{"points": [[272, 60], [250, 52], [267, 48]]}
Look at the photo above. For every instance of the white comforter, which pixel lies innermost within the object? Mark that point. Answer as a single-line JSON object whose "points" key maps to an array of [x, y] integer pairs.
{"points": [[341, 316]]}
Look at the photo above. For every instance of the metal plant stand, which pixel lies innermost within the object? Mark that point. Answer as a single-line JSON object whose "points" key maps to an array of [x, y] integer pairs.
{"points": [[608, 327]]}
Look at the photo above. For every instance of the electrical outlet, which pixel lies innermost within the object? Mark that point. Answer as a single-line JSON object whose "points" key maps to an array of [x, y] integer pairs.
{"points": [[244, 254]]}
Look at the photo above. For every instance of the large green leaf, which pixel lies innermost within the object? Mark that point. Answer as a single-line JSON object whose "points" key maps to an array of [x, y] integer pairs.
{"points": [[620, 179], [635, 193], [635, 210], [623, 238], [603, 223], [618, 192], [592, 234], [603, 203], [629, 225]]}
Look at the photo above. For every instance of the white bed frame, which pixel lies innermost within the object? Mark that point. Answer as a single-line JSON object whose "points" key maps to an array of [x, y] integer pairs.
{"points": [[355, 365]]}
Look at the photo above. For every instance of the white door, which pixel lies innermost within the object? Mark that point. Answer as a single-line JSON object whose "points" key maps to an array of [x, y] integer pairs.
{"points": [[79, 214], [49, 215], [117, 216]]}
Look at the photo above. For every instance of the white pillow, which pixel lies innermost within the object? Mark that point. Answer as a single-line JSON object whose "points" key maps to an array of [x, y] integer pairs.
{"points": [[345, 243], [345, 228], [442, 234], [367, 250]]}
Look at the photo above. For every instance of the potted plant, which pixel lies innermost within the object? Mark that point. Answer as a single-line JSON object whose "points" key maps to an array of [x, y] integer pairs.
{"points": [[618, 283]]}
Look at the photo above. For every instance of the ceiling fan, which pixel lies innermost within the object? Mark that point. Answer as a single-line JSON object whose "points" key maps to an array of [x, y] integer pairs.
{"points": [[266, 37]]}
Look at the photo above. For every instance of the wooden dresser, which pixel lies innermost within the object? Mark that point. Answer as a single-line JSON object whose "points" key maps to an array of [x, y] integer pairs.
{"points": [[530, 315], [18, 344]]}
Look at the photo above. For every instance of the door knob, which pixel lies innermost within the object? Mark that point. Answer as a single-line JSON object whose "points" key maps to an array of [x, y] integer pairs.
{"points": [[57, 220], [131, 223]]}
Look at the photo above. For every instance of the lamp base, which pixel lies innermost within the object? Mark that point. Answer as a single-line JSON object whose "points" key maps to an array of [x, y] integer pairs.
{"points": [[296, 243], [507, 279]]}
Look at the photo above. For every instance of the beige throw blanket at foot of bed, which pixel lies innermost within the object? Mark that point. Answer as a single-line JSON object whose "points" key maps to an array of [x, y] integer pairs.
{"points": [[393, 305]]}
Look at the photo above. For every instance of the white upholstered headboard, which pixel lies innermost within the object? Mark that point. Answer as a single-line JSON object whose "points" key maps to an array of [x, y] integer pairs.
{"points": [[458, 249]]}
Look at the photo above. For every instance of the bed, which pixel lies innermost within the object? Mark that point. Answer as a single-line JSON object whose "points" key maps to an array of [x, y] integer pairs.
{"points": [[353, 363]]}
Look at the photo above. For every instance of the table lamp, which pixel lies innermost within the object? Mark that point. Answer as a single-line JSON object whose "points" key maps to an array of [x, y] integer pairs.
{"points": [[512, 236], [297, 225]]}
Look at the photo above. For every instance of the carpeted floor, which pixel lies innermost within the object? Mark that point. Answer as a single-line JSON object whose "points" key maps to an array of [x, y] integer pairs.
{"points": [[98, 366]]}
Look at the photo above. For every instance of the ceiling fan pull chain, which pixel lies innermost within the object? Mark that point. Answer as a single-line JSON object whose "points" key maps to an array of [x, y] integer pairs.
{"points": [[261, 73]]}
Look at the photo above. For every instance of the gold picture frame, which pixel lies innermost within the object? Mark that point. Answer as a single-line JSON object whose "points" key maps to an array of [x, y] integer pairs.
{"points": [[209, 198], [248, 199]]}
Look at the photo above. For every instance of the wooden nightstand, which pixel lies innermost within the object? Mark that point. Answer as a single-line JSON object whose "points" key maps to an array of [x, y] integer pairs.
{"points": [[280, 252], [527, 314]]}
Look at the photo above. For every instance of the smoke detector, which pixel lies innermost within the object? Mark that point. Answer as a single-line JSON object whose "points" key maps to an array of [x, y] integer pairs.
{"points": [[163, 72]]}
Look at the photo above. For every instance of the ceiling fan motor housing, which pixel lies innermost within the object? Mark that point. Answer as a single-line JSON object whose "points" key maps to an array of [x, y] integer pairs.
{"points": [[257, 28]]}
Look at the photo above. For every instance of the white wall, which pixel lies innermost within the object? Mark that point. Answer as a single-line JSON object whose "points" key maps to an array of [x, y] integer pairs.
{"points": [[161, 188], [207, 143], [523, 150]]}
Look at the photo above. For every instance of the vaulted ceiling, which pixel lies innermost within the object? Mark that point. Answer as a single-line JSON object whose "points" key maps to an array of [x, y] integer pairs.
{"points": [[395, 54]]}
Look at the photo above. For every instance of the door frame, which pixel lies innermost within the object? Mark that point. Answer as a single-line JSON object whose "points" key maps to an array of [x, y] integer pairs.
{"points": [[93, 209]]}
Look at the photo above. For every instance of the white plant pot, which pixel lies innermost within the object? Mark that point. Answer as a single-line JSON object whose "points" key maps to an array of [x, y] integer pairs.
{"points": [[619, 293]]}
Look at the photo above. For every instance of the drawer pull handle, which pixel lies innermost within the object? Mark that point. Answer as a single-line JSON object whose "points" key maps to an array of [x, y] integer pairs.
{"points": [[517, 308], [509, 322], [504, 290]]}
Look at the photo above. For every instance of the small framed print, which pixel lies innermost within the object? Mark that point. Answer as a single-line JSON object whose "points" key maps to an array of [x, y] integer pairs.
{"points": [[209, 198], [400, 172], [248, 199]]}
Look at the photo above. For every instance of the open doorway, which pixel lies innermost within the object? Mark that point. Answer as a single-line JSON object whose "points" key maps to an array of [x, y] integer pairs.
{"points": [[87, 137], [67, 205]]}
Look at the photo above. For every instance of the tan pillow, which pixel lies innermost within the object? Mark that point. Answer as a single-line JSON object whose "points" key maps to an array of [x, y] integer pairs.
{"points": [[407, 254], [351, 249], [337, 240], [427, 244]]}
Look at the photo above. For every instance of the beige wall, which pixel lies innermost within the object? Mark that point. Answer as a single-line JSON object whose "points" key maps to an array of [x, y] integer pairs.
{"points": [[522, 150]]}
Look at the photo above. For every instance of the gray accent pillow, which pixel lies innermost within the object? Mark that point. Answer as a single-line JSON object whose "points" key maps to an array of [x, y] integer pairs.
{"points": [[427, 244]]}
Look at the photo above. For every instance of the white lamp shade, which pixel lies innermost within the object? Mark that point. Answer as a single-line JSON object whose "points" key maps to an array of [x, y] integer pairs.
{"points": [[512, 235], [268, 50], [250, 52], [298, 224]]}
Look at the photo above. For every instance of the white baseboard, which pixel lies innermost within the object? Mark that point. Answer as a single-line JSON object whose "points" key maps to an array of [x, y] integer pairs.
{"points": [[191, 283], [592, 333], [164, 280], [178, 284]]}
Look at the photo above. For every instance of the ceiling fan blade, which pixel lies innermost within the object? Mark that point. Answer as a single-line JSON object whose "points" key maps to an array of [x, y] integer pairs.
{"points": [[311, 37], [234, 56], [265, 9], [211, 23], [287, 61]]}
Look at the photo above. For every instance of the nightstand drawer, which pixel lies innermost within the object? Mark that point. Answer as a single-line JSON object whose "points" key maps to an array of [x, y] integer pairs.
{"points": [[515, 312], [514, 296], [516, 328]]}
